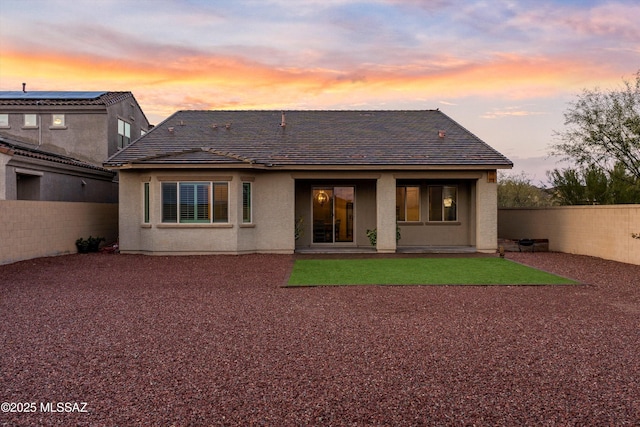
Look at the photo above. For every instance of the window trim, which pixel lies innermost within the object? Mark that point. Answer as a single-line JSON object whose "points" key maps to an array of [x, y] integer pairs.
{"points": [[4, 124], [53, 120], [419, 204], [167, 216], [198, 215], [29, 126], [442, 204], [123, 138], [249, 207], [146, 210]]}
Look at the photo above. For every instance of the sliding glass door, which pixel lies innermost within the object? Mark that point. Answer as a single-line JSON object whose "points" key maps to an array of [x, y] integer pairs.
{"points": [[333, 214]]}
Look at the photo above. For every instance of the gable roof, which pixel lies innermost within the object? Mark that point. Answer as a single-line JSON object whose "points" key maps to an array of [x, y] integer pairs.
{"points": [[309, 139], [62, 97]]}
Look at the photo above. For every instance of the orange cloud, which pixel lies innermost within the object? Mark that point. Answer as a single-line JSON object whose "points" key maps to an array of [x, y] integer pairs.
{"points": [[169, 82]]}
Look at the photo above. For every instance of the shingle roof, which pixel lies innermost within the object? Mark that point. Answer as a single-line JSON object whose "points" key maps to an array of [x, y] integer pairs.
{"points": [[313, 138], [14, 147], [62, 98]]}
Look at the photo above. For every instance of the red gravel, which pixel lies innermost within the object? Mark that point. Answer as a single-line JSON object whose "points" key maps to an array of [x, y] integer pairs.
{"points": [[217, 341]]}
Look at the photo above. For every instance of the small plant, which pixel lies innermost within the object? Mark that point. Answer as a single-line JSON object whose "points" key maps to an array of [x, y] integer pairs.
{"points": [[299, 231], [373, 235], [82, 245], [92, 244]]}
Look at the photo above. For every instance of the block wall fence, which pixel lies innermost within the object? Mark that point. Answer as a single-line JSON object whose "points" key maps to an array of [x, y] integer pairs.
{"points": [[32, 229], [599, 231]]}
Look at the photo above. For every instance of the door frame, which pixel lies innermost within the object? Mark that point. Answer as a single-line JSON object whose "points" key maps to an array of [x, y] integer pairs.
{"points": [[352, 220]]}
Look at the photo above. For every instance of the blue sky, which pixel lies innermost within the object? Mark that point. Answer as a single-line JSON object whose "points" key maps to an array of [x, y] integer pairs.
{"points": [[504, 69]]}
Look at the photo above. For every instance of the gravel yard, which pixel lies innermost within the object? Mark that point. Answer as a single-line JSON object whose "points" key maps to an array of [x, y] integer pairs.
{"points": [[217, 340]]}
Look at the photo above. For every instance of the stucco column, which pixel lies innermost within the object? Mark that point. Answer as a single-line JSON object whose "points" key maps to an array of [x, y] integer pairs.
{"points": [[386, 213], [486, 215], [4, 159]]}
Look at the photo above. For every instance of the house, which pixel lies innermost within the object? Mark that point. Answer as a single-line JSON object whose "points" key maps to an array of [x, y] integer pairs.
{"points": [[87, 126], [209, 182], [30, 173]]}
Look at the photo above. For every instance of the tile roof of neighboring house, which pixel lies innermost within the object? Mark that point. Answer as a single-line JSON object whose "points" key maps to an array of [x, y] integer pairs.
{"points": [[310, 138], [62, 98], [14, 147]]}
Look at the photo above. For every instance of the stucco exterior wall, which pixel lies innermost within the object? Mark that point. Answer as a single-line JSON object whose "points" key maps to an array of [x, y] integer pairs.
{"points": [[32, 229], [279, 199], [456, 233], [83, 137], [128, 111], [386, 214], [274, 213], [271, 229], [90, 132], [53, 182], [486, 215], [600, 231], [4, 175]]}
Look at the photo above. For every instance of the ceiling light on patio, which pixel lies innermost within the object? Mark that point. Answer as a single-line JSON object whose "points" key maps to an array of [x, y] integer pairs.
{"points": [[322, 197], [448, 202]]}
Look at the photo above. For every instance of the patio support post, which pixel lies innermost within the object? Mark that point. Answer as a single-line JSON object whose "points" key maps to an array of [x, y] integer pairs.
{"points": [[486, 215], [386, 214], [4, 159]]}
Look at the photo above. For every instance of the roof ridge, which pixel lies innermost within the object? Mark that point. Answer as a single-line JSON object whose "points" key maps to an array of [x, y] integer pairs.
{"points": [[169, 154], [228, 154]]}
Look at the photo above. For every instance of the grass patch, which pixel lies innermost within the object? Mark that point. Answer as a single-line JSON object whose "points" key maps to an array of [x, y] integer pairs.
{"points": [[419, 271]]}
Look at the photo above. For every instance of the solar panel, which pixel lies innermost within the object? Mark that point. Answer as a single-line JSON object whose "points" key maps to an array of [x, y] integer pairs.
{"points": [[18, 94]]}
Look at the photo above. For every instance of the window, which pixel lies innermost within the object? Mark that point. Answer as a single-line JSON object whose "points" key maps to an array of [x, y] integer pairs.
{"points": [[124, 133], [57, 120], [195, 202], [246, 202], [146, 203], [408, 203], [169, 202], [4, 120], [220, 202], [443, 201], [30, 120]]}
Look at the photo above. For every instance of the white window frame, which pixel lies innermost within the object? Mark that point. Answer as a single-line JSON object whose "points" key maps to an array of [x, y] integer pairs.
{"points": [[30, 123], [124, 133], [248, 220], [211, 202], [4, 121], [61, 123]]}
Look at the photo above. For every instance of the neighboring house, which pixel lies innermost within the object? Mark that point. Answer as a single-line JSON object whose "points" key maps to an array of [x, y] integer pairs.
{"points": [[250, 181], [87, 126], [30, 173]]}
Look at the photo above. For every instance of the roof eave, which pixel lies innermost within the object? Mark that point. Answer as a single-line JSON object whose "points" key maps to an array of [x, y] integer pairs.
{"points": [[298, 167]]}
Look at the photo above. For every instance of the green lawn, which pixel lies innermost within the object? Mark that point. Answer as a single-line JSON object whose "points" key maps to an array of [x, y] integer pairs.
{"points": [[419, 271]]}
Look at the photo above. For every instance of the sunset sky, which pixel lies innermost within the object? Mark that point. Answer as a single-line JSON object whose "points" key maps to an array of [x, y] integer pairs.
{"points": [[503, 69]]}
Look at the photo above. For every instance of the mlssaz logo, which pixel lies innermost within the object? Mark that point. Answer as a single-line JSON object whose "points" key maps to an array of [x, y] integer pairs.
{"points": [[63, 407]]}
